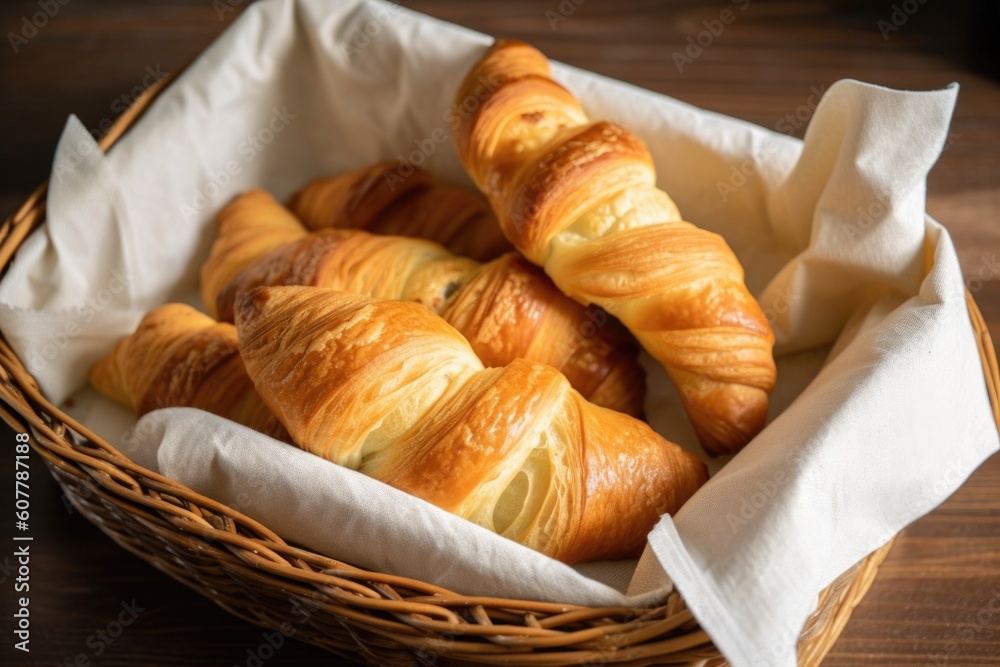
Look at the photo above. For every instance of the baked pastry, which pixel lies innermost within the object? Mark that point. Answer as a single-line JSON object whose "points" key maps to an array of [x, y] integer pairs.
{"points": [[579, 198], [393, 391], [506, 308], [249, 226], [179, 357], [387, 198]]}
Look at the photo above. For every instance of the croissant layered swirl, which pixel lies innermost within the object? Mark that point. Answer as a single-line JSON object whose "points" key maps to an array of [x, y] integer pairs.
{"points": [[179, 357], [579, 198], [391, 390], [506, 308], [380, 200]]}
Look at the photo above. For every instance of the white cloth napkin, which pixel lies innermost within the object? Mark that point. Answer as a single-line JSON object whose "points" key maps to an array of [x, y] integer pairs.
{"points": [[340, 512], [880, 411]]}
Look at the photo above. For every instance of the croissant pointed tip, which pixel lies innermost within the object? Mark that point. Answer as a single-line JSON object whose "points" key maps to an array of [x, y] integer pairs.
{"points": [[731, 433]]}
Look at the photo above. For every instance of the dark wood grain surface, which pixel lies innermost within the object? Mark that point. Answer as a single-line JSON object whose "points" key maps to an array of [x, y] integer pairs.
{"points": [[936, 600]]}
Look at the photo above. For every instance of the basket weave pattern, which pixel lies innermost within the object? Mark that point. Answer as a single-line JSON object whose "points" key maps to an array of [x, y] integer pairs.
{"points": [[382, 619]]}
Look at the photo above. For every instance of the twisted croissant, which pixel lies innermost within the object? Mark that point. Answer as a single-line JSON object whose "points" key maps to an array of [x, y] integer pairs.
{"points": [[178, 357], [380, 199], [249, 227], [506, 308], [391, 390], [580, 199]]}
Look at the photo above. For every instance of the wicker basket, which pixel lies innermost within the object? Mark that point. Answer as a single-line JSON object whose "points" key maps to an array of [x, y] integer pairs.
{"points": [[385, 620]]}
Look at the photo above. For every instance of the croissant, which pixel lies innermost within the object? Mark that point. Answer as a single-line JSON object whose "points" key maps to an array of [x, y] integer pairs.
{"points": [[389, 389], [387, 199], [506, 308], [179, 357], [249, 226], [580, 199]]}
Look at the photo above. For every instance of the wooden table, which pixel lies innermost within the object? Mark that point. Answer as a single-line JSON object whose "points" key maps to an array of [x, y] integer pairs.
{"points": [[936, 600]]}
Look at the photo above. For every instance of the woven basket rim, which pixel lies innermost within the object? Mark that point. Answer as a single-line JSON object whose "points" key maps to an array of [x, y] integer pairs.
{"points": [[358, 612]]}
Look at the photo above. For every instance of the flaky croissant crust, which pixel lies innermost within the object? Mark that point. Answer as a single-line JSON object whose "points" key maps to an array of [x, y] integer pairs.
{"points": [[580, 199], [178, 357], [507, 308], [391, 390], [401, 200]]}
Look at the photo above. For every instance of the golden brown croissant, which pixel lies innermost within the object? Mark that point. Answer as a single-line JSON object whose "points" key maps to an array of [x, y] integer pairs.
{"points": [[391, 390], [179, 357], [580, 199], [380, 199], [248, 227], [506, 308]]}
